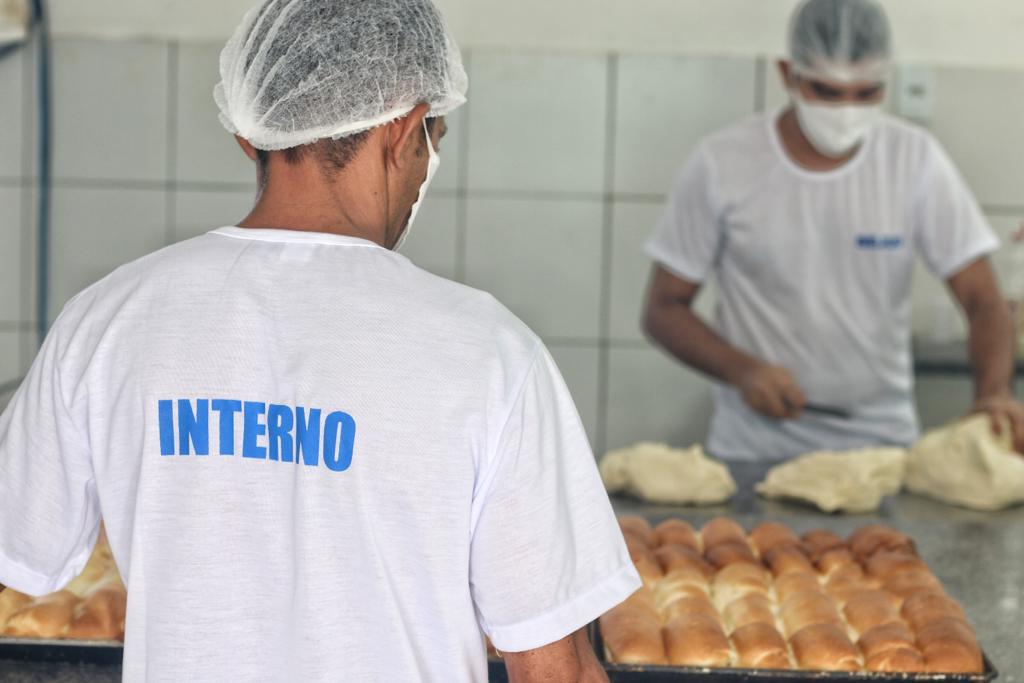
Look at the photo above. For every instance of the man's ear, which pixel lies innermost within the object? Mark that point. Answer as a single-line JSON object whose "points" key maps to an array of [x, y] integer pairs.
{"points": [[247, 147], [786, 72], [403, 135]]}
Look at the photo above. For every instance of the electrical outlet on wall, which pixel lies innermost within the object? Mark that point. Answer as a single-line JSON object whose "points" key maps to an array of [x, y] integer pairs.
{"points": [[14, 17], [916, 96]]}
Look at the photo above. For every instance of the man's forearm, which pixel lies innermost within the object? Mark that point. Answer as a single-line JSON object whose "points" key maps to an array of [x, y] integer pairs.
{"points": [[569, 660], [991, 349], [683, 334]]}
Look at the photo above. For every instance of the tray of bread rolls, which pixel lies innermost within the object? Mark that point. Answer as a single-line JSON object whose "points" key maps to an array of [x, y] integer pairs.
{"points": [[722, 603], [82, 622]]}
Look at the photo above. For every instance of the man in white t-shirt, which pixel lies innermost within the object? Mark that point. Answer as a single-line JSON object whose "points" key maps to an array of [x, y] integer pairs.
{"points": [[315, 461], [809, 220]]}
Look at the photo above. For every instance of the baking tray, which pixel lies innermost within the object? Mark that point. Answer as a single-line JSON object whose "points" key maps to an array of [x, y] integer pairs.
{"points": [[110, 653], [633, 673], [102, 652]]}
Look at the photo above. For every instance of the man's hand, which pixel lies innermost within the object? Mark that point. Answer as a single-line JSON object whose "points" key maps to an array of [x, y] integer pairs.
{"points": [[772, 391], [1003, 410]]}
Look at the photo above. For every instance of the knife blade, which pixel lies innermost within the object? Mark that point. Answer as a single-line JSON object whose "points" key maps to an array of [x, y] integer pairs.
{"points": [[828, 411]]}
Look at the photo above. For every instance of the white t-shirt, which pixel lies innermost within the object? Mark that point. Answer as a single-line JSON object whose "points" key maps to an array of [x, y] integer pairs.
{"points": [[813, 273], [316, 462]]}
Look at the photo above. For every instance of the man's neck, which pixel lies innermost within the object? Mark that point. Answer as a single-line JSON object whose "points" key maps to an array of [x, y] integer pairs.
{"points": [[800, 149], [306, 202]]}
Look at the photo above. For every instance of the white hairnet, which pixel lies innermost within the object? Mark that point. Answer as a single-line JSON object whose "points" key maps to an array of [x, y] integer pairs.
{"points": [[842, 40], [297, 71]]}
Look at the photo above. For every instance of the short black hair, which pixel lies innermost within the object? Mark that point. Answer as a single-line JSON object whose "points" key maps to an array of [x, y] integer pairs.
{"points": [[334, 155]]}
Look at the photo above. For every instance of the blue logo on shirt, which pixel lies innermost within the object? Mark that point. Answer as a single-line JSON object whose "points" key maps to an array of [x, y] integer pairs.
{"points": [[291, 434], [879, 241]]}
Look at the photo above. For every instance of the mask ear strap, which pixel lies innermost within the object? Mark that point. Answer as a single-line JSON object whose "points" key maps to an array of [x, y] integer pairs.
{"points": [[387, 186]]}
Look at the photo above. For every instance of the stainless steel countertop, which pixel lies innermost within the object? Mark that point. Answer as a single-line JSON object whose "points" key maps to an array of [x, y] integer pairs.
{"points": [[978, 556]]}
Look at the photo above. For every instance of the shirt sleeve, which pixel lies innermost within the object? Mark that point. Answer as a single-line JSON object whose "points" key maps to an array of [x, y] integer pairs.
{"points": [[49, 510], [688, 237], [547, 555], [951, 229]]}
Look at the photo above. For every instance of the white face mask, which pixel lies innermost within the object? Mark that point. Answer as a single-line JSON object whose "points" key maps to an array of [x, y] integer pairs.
{"points": [[835, 130], [432, 164]]}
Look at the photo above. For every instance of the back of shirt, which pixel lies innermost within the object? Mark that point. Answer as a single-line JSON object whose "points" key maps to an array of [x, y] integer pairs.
{"points": [[315, 462]]}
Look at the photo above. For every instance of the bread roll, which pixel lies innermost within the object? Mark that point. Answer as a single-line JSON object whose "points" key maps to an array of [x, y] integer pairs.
{"points": [[679, 584], [808, 609], [754, 608], [676, 532], [905, 583], [836, 558], [646, 563], [868, 540], [738, 580], [953, 658], [690, 605], [641, 600], [848, 571], [100, 615], [925, 607], [45, 617], [825, 647], [891, 636], [899, 660], [10, 602], [638, 528], [788, 559], [675, 557], [868, 609], [697, 640], [722, 530], [947, 631], [820, 541], [760, 646], [632, 631], [842, 588], [796, 582], [885, 563], [768, 536], [724, 554]]}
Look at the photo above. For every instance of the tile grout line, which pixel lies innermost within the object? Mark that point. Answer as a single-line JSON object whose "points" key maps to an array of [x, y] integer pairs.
{"points": [[1001, 210], [760, 84], [604, 312], [462, 187], [15, 326], [26, 347], [171, 191]]}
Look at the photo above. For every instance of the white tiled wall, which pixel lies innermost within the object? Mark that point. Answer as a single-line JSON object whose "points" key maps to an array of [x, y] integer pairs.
{"points": [[433, 243], [538, 122], [11, 225], [652, 397], [542, 258], [664, 108], [11, 361], [12, 86], [204, 151], [979, 116], [551, 179], [110, 110], [94, 231], [199, 211], [579, 366]]}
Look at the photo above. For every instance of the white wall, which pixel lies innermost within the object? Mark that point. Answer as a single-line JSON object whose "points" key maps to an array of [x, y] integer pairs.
{"points": [[967, 32]]}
